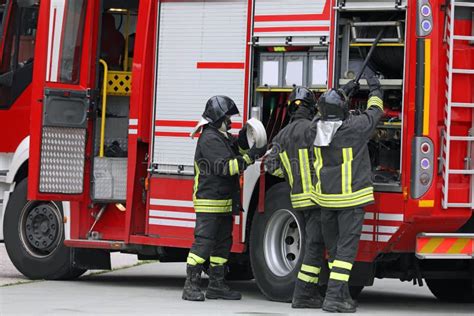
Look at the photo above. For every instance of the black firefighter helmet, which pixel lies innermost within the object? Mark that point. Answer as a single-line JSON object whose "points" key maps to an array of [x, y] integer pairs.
{"points": [[333, 106], [218, 107], [301, 96]]}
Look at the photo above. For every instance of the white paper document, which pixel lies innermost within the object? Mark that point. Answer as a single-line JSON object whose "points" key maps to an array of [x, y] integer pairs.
{"points": [[319, 72], [270, 73], [294, 73]]}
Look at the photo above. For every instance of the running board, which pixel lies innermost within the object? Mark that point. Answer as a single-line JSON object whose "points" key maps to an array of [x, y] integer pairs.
{"points": [[94, 244]]}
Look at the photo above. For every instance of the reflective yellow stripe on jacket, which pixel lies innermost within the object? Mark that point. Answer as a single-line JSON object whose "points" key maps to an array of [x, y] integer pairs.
{"points": [[212, 206], [346, 170], [287, 166], [305, 170], [318, 165], [206, 205]]}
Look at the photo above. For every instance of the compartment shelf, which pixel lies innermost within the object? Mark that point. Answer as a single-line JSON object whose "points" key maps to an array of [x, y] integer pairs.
{"points": [[385, 83]]}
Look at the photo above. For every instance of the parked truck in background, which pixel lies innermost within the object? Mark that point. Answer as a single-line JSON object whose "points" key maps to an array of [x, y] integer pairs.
{"points": [[118, 86]]}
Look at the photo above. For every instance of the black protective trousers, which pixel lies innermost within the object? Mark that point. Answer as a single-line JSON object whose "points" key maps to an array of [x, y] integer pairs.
{"points": [[212, 239], [341, 231], [313, 247]]}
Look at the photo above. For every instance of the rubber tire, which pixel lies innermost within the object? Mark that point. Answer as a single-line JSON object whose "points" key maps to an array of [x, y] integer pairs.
{"points": [[274, 287], [57, 266], [452, 290]]}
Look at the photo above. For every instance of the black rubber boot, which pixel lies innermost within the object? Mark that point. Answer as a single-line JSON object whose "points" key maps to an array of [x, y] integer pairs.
{"points": [[347, 295], [217, 287], [192, 290], [338, 298], [338, 306], [306, 295]]}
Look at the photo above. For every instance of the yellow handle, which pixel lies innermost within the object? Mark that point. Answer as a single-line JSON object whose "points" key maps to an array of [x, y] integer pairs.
{"points": [[104, 108]]}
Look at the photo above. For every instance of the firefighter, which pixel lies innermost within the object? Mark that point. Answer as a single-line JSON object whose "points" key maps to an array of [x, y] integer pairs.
{"points": [[343, 168], [291, 157], [218, 162]]}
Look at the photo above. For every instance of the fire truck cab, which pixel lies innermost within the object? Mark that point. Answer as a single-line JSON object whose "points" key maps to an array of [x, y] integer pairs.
{"points": [[119, 85]]}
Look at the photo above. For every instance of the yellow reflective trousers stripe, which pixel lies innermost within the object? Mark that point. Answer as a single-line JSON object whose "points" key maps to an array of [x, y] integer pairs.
{"points": [[342, 264], [217, 261], [339, 276], [286, 164], [310, 269], [307, 278], [346, 171], [194, 259]]}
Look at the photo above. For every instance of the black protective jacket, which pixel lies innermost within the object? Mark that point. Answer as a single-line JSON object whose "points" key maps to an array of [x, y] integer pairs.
{"points": [[343, 168], [292, 157], [218, 161]]}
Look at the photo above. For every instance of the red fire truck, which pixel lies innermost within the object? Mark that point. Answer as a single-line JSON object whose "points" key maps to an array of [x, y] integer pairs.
{"points": [[119, 85]]}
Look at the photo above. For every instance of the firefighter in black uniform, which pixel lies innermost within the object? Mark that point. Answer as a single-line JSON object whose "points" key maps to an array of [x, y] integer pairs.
{"points": [[343, 168], [292, 157], [218, 161]]}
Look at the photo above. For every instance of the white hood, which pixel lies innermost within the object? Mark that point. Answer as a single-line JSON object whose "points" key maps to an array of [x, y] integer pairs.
{"points": [[325, 132], [198, 128]]}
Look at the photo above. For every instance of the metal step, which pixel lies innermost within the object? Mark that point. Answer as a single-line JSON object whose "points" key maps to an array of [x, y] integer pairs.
{"points": [[463, 4], [461, 171], [462, 105], [463, 71], [463, 138], [459, 205], [463, 38]]}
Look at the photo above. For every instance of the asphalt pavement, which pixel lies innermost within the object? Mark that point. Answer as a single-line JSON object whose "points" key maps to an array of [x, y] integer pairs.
{"points": [[155, 289]]}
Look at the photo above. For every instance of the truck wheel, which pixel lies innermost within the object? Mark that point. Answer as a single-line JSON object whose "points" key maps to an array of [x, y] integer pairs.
{"points": [[452, 290], [34, 236], [275, 240]]}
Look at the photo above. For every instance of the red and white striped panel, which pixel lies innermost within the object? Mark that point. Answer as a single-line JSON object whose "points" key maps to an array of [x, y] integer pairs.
{"points": [[380, 227], [309, 18], [171, 211]]}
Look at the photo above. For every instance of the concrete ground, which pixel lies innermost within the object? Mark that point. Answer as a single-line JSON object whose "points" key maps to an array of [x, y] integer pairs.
{"points": [[10, 275], [155, 289]]}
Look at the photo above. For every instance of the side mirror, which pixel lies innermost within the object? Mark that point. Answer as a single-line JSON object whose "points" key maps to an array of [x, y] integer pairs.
{"points": [[6, 80]]}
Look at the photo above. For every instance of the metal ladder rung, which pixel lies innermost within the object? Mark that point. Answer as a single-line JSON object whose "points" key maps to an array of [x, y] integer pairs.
{"points": [[463, 71], [462, 105], [461, 171], [459, 204], [463, 37], [463, 138], [463, 4]]}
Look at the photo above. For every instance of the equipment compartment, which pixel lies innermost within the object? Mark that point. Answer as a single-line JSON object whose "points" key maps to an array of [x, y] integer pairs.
{"points": [[357, 31]]}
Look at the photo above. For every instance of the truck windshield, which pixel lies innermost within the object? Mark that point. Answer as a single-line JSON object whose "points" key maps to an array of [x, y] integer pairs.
{"points": [[18, 45]]}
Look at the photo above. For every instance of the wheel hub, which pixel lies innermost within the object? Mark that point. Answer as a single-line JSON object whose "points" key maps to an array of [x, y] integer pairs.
{"points": [[282, 242], [40, 228]]}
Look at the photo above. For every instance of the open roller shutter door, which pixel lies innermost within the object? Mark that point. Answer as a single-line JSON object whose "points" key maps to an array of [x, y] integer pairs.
{"points": [[371, 5], [201, 53], [299, 22]]}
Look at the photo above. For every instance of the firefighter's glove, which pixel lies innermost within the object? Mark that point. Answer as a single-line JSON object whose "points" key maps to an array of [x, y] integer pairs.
{"points": [[242, 139], [374, 87], [257, 152], [350, 88]]}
